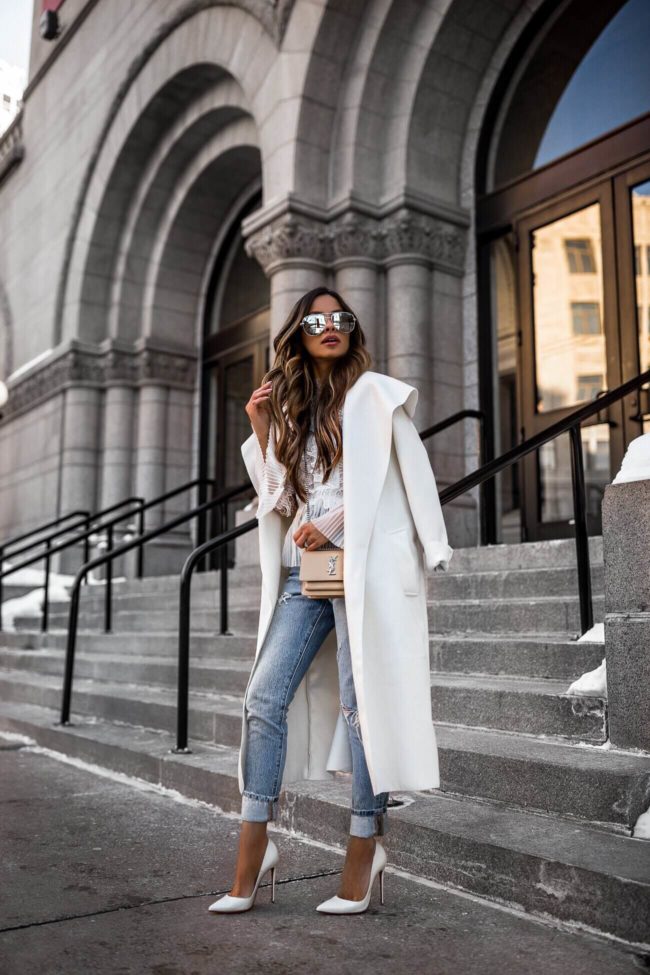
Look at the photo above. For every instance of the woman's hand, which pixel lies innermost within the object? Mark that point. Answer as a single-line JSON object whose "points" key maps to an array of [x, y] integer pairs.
{"points": [[309, 533], [259, 413]]}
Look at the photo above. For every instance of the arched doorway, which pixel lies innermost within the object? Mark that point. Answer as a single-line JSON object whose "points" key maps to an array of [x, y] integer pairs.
{"points": [[563, 235], [235, 356]]}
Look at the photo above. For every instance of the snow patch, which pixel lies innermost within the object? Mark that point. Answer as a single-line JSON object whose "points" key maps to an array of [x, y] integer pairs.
{"points": [[595, 635], [636, 463], [641, 829], [591, 684], [31, 603]]}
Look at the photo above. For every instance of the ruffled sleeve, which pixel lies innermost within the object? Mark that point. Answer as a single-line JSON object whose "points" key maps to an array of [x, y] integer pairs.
{"points": [[331, 525], [274, 493]]}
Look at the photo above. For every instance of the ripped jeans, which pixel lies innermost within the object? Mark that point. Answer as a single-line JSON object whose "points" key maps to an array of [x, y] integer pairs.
{"points": [[296, 632]]}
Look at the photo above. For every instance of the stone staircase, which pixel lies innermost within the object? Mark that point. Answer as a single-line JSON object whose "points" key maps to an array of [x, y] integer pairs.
{"points": [[535, 809]]}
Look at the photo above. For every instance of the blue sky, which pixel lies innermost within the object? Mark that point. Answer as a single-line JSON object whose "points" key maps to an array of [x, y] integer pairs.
{"points": [[610, 87], [15, 31]]}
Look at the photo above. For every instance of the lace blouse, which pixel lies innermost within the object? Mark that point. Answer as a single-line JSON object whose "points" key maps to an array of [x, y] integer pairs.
{"points": [[324, 504]]}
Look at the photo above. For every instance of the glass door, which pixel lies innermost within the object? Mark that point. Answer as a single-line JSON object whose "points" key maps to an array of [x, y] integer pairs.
{"points": [[232, 373], [570, 352], [632, 190]]}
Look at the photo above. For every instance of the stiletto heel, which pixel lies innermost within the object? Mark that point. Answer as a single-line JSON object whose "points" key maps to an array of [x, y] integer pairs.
{"points": [[229, 904], [340, 905]]}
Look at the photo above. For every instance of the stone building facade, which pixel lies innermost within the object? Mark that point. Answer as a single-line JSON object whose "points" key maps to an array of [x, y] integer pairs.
{"points": [[183, 170]]}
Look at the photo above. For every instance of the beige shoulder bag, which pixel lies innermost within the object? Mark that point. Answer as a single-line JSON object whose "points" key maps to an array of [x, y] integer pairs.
{"points": [[321, 572]]}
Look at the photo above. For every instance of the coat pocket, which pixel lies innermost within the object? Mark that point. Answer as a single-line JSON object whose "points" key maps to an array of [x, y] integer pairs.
{"points": [[406, 560]]}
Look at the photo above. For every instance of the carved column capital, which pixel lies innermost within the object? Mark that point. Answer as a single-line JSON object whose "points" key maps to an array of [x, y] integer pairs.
{"points": [[355, 235]]}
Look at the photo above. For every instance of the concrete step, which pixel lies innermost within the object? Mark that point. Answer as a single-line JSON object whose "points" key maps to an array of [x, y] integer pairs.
{"points": [[532, 706], [551, 553], [526, 707], [207, 673], [549, 866], [132, 644], [240, 620], [592, 783], [510, 583], [553, 655], [205, 598], [548, 775], [500, 584], [543, 614]]}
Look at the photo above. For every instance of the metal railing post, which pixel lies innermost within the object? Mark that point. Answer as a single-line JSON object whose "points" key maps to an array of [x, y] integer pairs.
{"points": [[109, 582], [70, 651], [580, 522], [141, 547], [193, 559], [223, 607], [87, 544], [182, 700], [46, 588], [2, 559]]}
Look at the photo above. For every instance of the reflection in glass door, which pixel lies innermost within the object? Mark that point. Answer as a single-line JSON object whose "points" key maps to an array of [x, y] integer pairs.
{"points": [[505, 324], [569, 355], [640, 207]]}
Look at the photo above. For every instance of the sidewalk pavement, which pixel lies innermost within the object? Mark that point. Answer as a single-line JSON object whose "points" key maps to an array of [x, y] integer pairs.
{"points": [[112, 876]]}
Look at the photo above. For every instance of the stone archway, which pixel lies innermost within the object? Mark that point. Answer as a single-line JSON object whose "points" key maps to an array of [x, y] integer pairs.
{"points": [[182, 149], [6, 335]]}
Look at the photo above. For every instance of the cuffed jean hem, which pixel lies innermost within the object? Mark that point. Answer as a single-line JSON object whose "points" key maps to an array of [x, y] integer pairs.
{"points": [[368, 824], [255, 809]]}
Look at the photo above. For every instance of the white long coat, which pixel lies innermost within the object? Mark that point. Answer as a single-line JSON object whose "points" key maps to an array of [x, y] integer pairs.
{"points": [[394, 527]]}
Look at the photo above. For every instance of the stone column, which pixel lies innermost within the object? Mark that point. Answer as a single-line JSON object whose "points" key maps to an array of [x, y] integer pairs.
{"points": [[79, 460], [292, 250], [119, 408], [359, 281], [626, 544], [290, 280], [151, 447], [80, 448], [408, 301]]}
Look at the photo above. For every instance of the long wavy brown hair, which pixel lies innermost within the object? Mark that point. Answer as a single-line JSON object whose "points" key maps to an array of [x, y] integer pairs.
{"points": [[294, 391]]}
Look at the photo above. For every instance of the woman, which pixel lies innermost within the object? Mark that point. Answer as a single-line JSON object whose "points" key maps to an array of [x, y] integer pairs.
{"points": [[342, 683]]}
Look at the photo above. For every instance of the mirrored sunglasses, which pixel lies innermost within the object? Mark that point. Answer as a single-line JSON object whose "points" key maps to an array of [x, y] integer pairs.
{"points": [[343, 321]]}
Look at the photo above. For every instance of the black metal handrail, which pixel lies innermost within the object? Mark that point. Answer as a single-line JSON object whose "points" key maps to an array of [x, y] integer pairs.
{"points": [[140, 507], [51, 550], [570, 424], [73, 618], [41, 528]]}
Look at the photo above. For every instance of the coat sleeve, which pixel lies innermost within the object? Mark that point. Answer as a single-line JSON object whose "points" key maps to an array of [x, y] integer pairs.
{"points": [[421, 490], [268, 475]]}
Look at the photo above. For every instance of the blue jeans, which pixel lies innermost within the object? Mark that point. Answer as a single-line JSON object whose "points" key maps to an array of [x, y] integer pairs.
{"points": [[296, 632]]}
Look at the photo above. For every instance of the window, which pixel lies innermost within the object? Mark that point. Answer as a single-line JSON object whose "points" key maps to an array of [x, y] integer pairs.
{"points": [[580, 256], [585, 317], [637, 259], [587, 72], [588, 387]]}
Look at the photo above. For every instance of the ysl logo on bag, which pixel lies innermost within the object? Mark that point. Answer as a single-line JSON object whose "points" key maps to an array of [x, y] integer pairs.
{"points": [[331, 565]]}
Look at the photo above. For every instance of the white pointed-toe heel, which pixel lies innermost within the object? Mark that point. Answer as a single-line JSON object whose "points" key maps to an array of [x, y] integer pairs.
{"points": [[339, 905], [229, 905]]}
